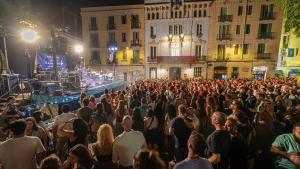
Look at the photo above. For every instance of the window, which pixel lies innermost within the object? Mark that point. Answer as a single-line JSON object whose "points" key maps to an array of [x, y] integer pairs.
{"points": [[124, 19], [180, 29], [95, 57], [153, 16], [198, 51], [152, 31], [111, 20], [135, 21], [245, 49], [247, 29], [148, 16], [170, 29], [285, 42], [135, 36], [175, 29], [204, 13], [157, 15], [238, 29], [180, 14], [176, 14], [249, 10], [175, 49], [235, 72], [261, 48], [199, 30], [200, 13], [195, 13], [236, 49], [221, 52], [197, 71], [153, 52], [136, 56], [266, 11], [93, 24], [111, 37], [124, 54], [223, 11], [153, 72], [224, 29], [124, 37], [94, 41], [240, 11]]}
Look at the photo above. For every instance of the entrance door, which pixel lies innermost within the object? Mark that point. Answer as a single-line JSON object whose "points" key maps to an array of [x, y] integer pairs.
{"points": [[220, 72], [175, 73]]}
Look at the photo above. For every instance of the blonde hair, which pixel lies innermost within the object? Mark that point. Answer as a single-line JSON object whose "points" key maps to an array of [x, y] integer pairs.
{"points": [[105, 140]]}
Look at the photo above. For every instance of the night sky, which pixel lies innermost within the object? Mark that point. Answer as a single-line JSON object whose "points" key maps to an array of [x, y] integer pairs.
{"points": [[49, 12]]}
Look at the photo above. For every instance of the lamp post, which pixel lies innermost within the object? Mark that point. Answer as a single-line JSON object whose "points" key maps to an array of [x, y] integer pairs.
{"points": [[112, 50], [78, 49], [29, 36]]}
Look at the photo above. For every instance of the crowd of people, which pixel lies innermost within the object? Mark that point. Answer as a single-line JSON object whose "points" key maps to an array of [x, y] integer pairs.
{"points": [[160, 124]]}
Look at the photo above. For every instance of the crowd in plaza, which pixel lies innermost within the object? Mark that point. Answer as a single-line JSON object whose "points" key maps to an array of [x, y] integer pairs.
{"points": [[160, 124]]}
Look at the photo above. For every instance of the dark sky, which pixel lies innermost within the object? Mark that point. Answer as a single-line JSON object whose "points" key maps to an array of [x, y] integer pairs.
{"points": [[50, 12]]}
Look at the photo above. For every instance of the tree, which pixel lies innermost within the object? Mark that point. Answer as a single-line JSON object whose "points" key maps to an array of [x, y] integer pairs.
{"points": [[291, 10]]}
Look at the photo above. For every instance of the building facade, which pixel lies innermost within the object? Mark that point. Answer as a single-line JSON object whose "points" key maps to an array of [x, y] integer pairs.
{"points": [[176, 38], [113, 38], [244, 38], [289, 56]]}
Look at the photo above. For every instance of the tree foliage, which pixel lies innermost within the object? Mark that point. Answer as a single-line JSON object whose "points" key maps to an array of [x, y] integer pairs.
{"points": [[291, 10]]}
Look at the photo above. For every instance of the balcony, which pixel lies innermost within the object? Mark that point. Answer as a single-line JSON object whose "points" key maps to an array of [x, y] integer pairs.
{"points": [[199, 35], [136, 42], [224, 37], [93, 27], [153, 36], [111, 43], [225, 18], [111, 26], [151, 59], [201, 58], [135, 25], [176, 59], [268, 16], [265, 35], [263, 56], [136, 61]]}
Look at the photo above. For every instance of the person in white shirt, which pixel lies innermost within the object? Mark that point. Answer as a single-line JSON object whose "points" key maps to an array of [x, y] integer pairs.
{"points": [[21, 152], [59, 120], [127, 144]]}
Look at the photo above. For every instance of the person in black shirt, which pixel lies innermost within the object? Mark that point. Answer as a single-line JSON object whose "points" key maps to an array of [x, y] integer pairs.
{"points": [[181, 130], [238, 149], [219, 142]]}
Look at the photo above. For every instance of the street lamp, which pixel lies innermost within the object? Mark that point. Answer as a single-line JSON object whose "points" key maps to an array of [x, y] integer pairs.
{"points": [[78, 48], [112, 50], [29, 36]]}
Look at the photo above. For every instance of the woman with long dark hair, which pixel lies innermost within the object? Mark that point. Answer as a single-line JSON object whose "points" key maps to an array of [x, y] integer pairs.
{"points": [[32, 129], [137, 121], [76, 136], [79, 157]]}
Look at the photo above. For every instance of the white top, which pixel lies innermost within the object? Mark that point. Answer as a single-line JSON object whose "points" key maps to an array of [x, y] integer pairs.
{"points": [[61, 119], [125, 146], [19, 153]]}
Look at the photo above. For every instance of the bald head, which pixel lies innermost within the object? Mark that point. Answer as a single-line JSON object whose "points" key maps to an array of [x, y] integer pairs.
{"points": [[127, 123]]}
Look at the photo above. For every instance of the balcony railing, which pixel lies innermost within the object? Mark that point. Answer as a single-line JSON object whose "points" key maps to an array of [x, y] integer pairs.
{"points": [[199, 35], [136, 42], [176, 59], [93, 27], [268, 16], [135, 25], [151, 59], [225, 18], [201, 58], [111, 26], [111, 43], [136, 61], [153, 36], [263, 56], [265, 35], [224, 37]]}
